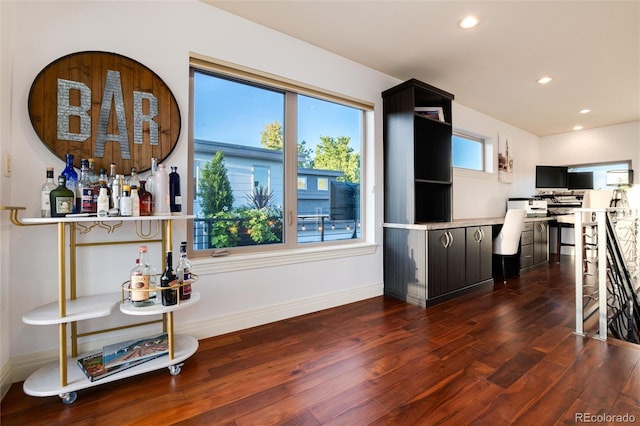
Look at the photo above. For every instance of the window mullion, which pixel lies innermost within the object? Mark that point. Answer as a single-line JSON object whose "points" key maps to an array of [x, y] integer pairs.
{"points": [[291, 169]]}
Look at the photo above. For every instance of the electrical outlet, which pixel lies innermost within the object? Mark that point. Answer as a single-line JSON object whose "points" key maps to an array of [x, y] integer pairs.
{"points": [[7, 165]]}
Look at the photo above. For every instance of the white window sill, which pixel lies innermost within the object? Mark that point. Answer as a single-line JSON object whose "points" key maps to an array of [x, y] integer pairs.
{"points": [[241, 262]]}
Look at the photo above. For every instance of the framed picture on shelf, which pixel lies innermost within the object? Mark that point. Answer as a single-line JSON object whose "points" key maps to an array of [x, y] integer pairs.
{"points": [[435, 113]]}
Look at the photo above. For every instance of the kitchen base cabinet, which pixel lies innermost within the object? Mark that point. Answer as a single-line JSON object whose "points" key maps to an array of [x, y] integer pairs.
{"points": [[427, 267]]}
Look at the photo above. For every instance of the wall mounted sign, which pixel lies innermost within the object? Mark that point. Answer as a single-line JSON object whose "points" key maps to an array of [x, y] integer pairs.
{"points": [[104, 106]]}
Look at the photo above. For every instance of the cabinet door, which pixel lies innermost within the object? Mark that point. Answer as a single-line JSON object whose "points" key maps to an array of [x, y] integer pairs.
{"points": [[456, 258], [479, 252], [446, 254], [437, 263], [486, 253], [540, 243]]}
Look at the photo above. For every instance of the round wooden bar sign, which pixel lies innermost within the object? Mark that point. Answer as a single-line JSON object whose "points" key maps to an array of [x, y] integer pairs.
{"points": [[104, 106]]}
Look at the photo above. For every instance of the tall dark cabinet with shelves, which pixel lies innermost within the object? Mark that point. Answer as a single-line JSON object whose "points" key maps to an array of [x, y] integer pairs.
{"points": [[417, 153]]}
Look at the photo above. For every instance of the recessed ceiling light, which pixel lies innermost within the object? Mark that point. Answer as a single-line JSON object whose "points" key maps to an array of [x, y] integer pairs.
{"points": [[544, 80], [469, 22], [585, 111], [578, 127]]}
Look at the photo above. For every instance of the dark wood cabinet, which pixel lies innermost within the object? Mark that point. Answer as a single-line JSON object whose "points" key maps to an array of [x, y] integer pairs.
{"points": [[479, 254], [534, 244], [405, 267], [446, 260], [540, 243], [417, 153]]}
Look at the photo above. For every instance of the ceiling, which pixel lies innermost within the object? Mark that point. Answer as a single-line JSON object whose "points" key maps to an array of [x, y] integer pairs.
{"points": [[591, 49]]}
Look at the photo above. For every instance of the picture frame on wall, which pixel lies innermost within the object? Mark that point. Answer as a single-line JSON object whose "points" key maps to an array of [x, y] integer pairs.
{"points": [[505, 160]]}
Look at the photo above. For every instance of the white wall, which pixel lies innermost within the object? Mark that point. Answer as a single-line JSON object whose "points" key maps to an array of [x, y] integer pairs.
{"points": [[161, 35], [606, 144], [479, 194], [619, 142]]}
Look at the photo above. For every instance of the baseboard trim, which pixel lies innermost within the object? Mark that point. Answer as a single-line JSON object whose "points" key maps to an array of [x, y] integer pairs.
{"points": [[20, 368], [5, 378]]}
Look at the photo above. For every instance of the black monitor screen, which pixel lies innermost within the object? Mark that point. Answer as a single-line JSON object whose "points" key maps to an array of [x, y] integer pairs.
{"points": [[551, 177], [580, 180]]}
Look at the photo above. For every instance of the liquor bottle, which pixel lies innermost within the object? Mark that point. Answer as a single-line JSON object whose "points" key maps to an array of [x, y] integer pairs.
{"points": [[70, 176], [161, 191], [151, 180], [167, 280], [141, 280], [116, 192], [62, 199], [183, 271], [93, 176], [103, 202], [146, 200], [47, 187], [135, 201], [103, 182], [84, 193], [175, 200], [134, 179], [110, 179], [126, 208]]}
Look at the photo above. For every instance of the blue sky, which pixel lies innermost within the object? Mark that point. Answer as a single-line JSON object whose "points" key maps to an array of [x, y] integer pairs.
{"points": [[236, 113]]}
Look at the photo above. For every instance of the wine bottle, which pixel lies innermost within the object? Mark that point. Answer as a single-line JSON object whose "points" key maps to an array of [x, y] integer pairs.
{"points": [[62, 199], [175, 200], [141, 280], [47, 187], [71, 178], [167, 281], [183, 271]]}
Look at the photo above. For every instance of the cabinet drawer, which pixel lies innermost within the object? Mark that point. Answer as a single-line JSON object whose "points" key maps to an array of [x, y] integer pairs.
{"points": [[526, 256], [526, 238], [527, 226]]}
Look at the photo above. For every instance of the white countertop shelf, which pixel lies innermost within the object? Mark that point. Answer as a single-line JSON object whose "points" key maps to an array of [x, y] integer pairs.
{"points": [[82, 308], [68, 219], [46, 381], [158, 308]]}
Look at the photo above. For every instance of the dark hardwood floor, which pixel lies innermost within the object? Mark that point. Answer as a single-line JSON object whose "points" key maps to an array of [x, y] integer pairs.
{"points": [[504, 354]]}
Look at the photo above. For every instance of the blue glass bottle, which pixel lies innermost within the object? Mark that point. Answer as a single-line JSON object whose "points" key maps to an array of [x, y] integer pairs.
{"points": [[71, 177]]}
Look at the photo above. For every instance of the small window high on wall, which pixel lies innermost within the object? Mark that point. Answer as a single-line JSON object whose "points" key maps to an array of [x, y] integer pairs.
{"points": [[468, 151]]}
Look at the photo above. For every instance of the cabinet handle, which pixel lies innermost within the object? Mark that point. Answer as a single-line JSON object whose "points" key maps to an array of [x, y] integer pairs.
{"points": [[444, 240], [450, 238]]}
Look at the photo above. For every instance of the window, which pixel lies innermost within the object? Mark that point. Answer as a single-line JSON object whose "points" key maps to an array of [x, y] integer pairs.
{"points": [[274, 166], [468, 151], [600, 172]]}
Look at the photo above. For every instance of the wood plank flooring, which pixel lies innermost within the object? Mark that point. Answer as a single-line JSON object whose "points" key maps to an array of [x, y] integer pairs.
{"points": [[501, 355]]}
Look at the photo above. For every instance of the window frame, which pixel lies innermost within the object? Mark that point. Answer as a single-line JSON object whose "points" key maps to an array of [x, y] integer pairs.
{"points": [[483, 149], [291, 90]]}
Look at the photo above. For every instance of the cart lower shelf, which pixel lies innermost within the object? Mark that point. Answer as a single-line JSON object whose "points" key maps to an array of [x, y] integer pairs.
{"points": [[46, 381]]}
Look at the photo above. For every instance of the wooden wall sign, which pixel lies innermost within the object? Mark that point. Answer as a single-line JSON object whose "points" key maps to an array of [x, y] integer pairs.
{"points": [[104, 106]]}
